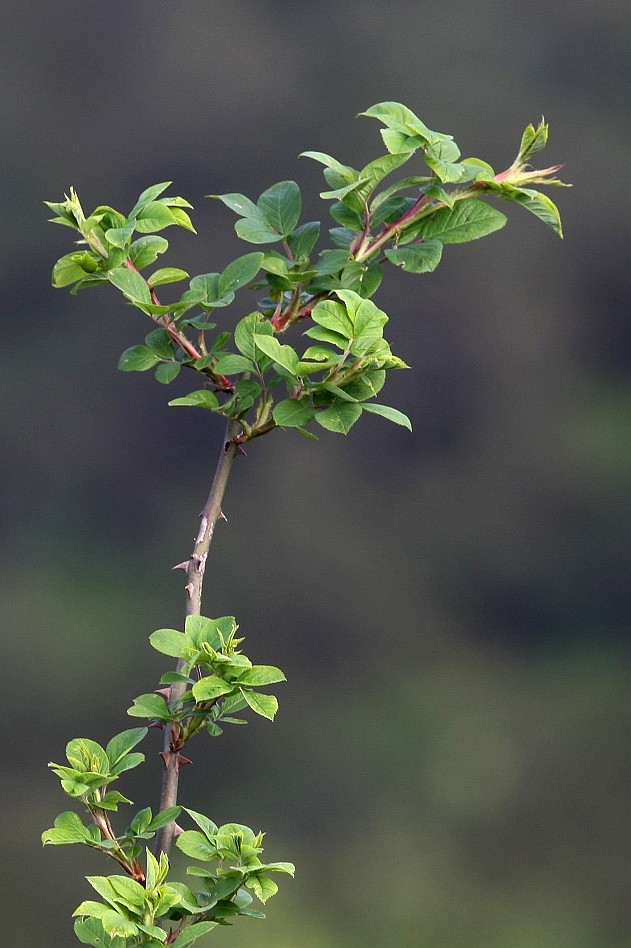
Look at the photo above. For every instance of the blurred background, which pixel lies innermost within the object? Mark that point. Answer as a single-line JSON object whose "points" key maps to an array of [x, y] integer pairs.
{"points": [[450, 764]]}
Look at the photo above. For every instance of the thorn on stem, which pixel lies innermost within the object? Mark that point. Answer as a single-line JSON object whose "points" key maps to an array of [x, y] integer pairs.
{"points": [[190, 589], [183, 565]]}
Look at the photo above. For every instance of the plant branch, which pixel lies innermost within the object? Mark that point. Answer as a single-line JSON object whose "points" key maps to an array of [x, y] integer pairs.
{"points": [[195, 575]]}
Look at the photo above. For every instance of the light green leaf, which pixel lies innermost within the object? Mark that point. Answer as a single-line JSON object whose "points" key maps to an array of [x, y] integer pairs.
{"points": [[284, 356], [149, 706], [397, 116], [392, 414], [67, 271], [423, 258], [91, 932], [149, 195], [205, 824], [131, 284], [281, 205], [211, 687], [129, 891], [265, 705], [333, 316], [259, 675], [169, 642], [154, 216], [120, 236], [68, 828], [291, 413], [163, 818], [339, 417], [167, 275], [85, 754], [263, 887], [192, 933], [145, 250], [467, 220], [199, 399], [196, 845], [247, 329], [122, 743]]}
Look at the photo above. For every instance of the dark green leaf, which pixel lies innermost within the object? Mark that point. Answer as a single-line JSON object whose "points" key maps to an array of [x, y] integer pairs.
{"points": [[256, 231], [137, 359], [303, 239], [281, 205], [533, 141], [90, 932], [238, 203], [192, 933], [168, 371], [364, 279], [231, 364], [240, 272]]}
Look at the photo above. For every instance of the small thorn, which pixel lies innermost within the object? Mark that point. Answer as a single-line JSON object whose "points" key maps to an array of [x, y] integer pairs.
{"points": [[166, 758], [158, 724], [183, 565], [222, 516], [183, 761], [177, 830], [190, 590], [241, 451], [165, 692]]}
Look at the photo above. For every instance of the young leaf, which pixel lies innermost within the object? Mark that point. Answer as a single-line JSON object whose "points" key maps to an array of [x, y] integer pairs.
{"points": [[247, 329], [200, 399], [392, 414], [265, 705], [122, 743], [211, 687], [154, 216], [284, 356], [263, 887], [145, 250], [167, 275], [148, 195], [339, 417], [68, 828], [206, 825], [149, 706], [192, 933], [259, 675], [131, 284], [533, 141], [169, 642]]}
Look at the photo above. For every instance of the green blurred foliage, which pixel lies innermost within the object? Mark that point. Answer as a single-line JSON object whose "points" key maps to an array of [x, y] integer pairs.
{"points": [[466, 782]]}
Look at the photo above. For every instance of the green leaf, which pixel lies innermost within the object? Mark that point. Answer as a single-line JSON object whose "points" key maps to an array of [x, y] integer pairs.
{"points": [[154, 216], [231, 364], [199, 399], [467, 220], [131, 284], [122, 743], [169, 642], [423, 258], [333, 316], [205, 824], [538, 204], [149, 195], [128, 763], [85, 754], [91, 932], [149, 706], [206, 689], [263, 887], [192, 933], [145, 250], [240, 272], [392, 414], [129, 891], [291, 413], [238, 203], [399, 117], [259, 675], [67, 271], [196, 845], [281, 205], [137, 359], [256, 231], [168, 371], [442, 158], [120, 236], [265, 705], [167, 275], [380, 168], [533, 141], [215, 632], [247, 329], [68, 828], [111, 799], [339, 417], [364, 279], [303, 239], [182, 219], [284, 356]]}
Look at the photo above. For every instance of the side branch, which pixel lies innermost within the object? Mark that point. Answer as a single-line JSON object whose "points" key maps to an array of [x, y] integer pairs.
{"points": [[195, 575]]}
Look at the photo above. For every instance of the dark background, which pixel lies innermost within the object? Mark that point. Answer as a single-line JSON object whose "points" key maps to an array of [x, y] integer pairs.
{"points": [[450, 764]]}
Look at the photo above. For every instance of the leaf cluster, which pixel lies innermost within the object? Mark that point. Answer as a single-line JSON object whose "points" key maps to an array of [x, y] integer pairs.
{"points": [[246, 373]]}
